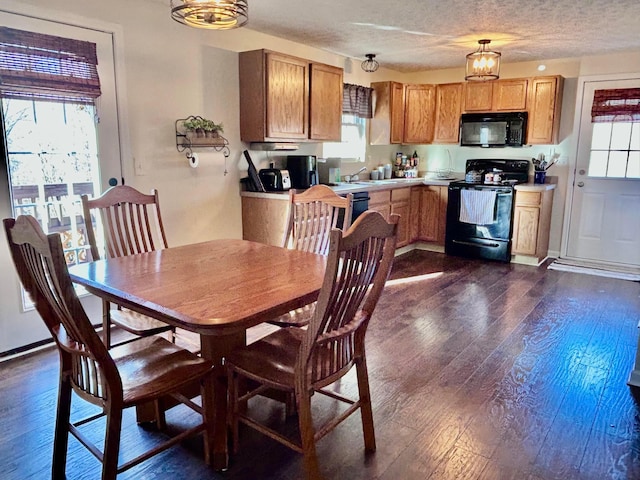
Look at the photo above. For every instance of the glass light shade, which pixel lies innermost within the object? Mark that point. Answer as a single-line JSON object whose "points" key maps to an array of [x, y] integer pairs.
{"points": [[370, 64], [483, 64], [213, 14]]}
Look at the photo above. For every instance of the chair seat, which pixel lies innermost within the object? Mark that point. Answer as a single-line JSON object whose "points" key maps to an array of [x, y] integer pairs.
{"points": [[152, 367], [137, 323], [271, 359], [295, 318]]}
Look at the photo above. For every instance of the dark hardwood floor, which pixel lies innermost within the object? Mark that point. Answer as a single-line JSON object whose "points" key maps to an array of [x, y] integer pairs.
{"points": [[478, 370]]}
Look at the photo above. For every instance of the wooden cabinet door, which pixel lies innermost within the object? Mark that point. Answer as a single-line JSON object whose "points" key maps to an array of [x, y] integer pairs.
{"points": [[325, 103], [525, 230], [414, 213], [429, 213], [510, 94], [448, 109], [287, 101], [380, 201], [387, 125], [478, 96], [545, 101], [419, 113], [400, 205]]}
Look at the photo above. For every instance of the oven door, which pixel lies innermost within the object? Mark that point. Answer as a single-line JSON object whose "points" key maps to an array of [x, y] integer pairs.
{"points": [[492, 241]]}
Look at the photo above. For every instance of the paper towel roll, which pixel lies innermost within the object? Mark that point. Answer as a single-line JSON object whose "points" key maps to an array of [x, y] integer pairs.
{"points": [[193, 160]]}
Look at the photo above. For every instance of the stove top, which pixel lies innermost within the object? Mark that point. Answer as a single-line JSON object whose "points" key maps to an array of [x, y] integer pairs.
{"points": [[506, 172]]}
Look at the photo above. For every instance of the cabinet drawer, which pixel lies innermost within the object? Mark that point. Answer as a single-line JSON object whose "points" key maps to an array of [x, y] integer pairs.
{"points": [[379, 197], [528, 199], [400, 195]]}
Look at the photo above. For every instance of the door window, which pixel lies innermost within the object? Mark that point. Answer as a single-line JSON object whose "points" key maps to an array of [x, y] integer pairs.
{"points": [[615, 150]]}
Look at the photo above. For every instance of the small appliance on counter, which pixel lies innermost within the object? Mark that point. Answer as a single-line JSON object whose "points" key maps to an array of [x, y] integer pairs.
{"points": [[302, 170], [274, 179]]}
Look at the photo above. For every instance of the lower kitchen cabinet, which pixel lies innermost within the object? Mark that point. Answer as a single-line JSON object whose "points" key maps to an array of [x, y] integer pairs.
{"points": [[531, 223], [430, 221], [400, 204], [264, 218], [380, 201]]}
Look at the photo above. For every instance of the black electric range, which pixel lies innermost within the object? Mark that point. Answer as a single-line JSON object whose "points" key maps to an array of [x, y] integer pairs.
{"points": [[480, 225]]}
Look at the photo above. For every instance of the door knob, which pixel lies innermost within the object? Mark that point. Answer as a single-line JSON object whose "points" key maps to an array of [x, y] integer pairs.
{"points": [[582, 171], [581, 184]]}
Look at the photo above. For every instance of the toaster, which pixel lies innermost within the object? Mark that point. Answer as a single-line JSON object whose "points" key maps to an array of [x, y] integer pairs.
{"points": [[274, 179]]}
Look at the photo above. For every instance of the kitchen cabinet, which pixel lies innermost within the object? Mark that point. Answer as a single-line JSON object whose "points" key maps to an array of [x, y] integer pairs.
{"points": [[387, 125], [380, 201], [448, 109], [264, 218], [325, 103], [545, 102], [432, 214], [419, 113], [510, 95], [478, 96], [275, 98], [400, 205], [531, 223]]}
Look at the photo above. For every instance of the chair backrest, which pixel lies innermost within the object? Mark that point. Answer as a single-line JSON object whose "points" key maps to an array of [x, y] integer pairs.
{"points": [[131, 221], [39, 260], [358, 265], [312, 215]]}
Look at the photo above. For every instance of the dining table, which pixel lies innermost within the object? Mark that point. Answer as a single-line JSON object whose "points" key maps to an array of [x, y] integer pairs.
{"points": [[217, 289]]}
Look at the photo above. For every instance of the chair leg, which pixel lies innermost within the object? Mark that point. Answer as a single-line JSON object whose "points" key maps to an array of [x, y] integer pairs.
{"points": [[161, 419], [305, 422], [365, 400], [208, 409], [61, 436], [112, 443], [106, 324], [232, 413]]}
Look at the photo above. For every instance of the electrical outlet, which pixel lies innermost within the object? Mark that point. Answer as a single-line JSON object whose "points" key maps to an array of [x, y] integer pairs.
{"points": [[138, 166]]}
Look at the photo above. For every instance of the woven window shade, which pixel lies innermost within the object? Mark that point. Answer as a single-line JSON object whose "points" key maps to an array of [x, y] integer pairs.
{"points": [[616, 105], [46, 67], [356, 100]]}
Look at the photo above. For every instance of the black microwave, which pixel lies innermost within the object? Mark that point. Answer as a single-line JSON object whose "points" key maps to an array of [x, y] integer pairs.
{"points": [[505, 129]]}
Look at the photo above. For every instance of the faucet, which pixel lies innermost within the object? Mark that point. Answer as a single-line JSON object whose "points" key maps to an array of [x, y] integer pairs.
{"points": [[354, 177]]}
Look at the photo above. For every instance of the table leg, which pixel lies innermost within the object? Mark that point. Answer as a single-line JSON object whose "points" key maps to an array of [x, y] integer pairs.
{"points": [[215, 348]]}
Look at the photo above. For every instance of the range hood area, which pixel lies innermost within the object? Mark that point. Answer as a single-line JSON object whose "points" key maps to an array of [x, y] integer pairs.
{"points": [[274, 146]]}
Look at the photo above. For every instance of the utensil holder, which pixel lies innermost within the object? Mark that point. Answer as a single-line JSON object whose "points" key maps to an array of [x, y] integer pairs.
{"points": [[539, 177]]}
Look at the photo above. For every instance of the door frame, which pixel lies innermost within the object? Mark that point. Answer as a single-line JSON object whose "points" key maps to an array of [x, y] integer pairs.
{"points": [[573, 157]]}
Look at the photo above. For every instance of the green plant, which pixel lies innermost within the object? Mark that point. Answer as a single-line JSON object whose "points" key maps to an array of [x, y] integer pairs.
{"points": [[199, 123]]}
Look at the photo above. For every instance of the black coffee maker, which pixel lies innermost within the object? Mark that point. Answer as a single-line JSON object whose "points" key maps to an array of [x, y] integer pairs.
{"points": [[302, 170]]}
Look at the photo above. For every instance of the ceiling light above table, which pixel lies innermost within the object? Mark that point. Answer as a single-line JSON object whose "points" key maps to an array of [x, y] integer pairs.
{"points": [[370, 64], [212, 14]]}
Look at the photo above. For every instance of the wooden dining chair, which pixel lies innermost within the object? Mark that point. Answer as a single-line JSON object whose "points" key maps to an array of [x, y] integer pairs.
{"points": [[125, 376], [304, 361], [132, 224], [312, 215]]}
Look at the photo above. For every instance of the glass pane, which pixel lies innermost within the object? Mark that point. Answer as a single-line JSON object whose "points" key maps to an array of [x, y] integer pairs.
{"points": [[600, 136], [598, 164], [620, 136], [617, 164], [635, 137], [633, 168]]}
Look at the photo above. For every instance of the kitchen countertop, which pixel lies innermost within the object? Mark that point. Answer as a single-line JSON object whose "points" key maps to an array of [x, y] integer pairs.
{"points": [[535, 187], [363, 186]]}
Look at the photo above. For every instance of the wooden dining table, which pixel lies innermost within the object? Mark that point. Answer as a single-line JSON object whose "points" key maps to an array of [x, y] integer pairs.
{"points": [[217, 289]]}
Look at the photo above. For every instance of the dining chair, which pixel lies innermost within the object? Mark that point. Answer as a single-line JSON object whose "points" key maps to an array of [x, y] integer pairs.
{"points": [[132, 224], [312, 215], [125, 376], [305, 361]]}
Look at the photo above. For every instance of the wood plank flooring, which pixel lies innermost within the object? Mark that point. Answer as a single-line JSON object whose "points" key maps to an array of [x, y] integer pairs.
{"points": [[478, 370]]}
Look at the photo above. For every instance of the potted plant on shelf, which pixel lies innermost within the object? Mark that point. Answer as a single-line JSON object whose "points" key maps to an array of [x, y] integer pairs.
{"points": [[212, 129], [194, 127]]}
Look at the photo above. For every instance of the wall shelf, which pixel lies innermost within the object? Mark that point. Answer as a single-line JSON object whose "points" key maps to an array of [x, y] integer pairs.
{"points": [[186, 141]]}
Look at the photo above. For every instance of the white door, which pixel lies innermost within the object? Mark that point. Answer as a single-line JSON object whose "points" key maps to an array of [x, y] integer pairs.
{"points": [[604, 219], [54, 152]]}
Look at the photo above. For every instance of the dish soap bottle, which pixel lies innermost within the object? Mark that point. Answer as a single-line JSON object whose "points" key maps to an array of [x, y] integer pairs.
{"points": [[415, 159]]}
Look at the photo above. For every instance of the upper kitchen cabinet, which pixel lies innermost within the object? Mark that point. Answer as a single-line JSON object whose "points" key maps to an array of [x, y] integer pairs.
{"points": [[275, 95], [510, 95], [478, 96], [449, 98], [419, 113], [325, 103], [387, 124], [545, 102]]}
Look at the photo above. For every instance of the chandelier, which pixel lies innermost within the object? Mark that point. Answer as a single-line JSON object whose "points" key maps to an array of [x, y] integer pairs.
{"points": [[213, 14], [370, 64], [483, 64]]}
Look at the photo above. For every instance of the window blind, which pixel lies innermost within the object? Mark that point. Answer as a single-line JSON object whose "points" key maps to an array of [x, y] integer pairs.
{"points": [[616, 105], [356, 100], [47, 67]]}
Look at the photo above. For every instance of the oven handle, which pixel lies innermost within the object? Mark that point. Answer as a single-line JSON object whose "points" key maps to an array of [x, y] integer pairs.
{"points": [[476, 244]]}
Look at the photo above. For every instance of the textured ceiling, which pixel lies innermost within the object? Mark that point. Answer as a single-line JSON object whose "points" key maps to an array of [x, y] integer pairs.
{"points": [[417, 35]]}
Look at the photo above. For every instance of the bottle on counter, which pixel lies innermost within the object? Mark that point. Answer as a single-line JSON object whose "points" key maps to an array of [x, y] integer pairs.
{"points": [[415, 159]]}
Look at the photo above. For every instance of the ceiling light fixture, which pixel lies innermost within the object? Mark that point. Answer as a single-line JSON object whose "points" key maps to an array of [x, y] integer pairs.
{"points": [[483, 64], [370, 64], [213, 14]]}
